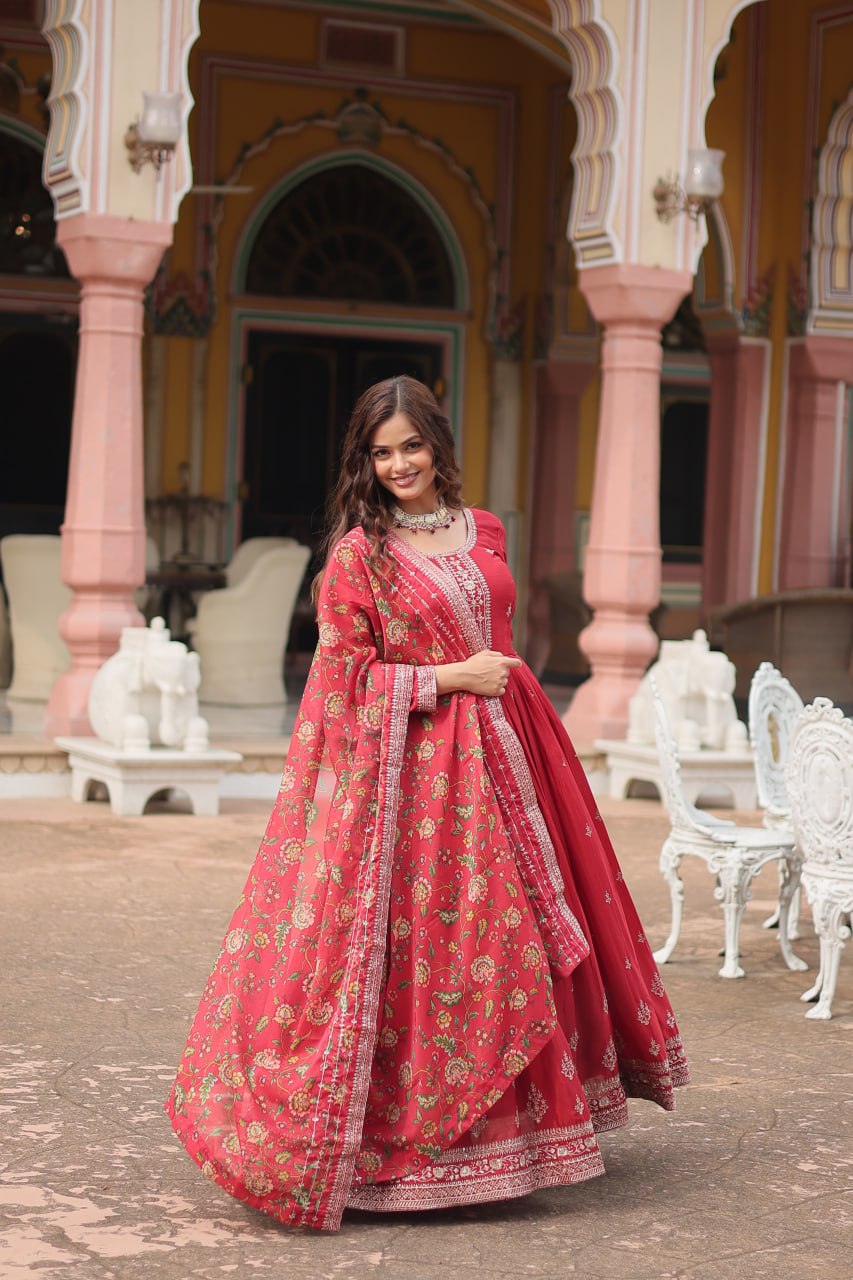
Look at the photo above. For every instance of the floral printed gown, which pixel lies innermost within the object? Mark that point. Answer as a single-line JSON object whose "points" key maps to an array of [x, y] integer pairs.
{"points": [[435, 989]]}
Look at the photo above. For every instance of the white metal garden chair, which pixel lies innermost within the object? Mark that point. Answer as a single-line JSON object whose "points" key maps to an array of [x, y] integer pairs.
{"points": [[733, 854], [819, 779], [774, 706]]}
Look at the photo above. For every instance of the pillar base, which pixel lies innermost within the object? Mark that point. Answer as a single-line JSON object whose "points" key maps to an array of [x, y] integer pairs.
{"points": [[622, 647], [68, 710]]}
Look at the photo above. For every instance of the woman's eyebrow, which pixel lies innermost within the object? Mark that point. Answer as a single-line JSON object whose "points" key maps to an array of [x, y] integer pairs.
{"points": [[408, 440]]}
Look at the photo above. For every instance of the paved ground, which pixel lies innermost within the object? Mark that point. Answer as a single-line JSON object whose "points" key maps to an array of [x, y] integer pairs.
{"points": [[110, 926]]}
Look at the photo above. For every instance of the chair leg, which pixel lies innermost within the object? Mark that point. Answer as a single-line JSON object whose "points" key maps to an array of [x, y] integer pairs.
{"points": [[772, 921], [832, 927], [731, 890], [670, 860], [789, 888]]}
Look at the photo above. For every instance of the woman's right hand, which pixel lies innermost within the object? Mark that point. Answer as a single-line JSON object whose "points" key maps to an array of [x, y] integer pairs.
{"points": [[485, 673]]}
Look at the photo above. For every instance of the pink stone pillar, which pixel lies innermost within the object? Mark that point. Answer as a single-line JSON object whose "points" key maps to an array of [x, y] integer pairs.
{"points": [[815, 502], [559, 387], [733, 491], [103, 537], [623, 559]]}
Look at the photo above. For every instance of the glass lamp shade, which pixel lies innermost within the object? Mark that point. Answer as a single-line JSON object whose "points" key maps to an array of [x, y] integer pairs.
{"points": [[161, 119], [704, 177]]}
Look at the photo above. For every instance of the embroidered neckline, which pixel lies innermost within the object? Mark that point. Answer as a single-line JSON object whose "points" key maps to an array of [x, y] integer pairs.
{"points": [[467, 545]]}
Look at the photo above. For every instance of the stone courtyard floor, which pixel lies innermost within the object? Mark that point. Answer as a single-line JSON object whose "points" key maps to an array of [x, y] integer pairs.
{"points": [[109, 929]]}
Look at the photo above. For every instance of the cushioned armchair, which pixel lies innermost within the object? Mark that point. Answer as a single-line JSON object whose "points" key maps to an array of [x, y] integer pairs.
{"points": [[37, 596], [248, 552], [240, 633]]}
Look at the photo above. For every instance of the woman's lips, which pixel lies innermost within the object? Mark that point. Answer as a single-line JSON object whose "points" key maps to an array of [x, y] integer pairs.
{"points": [[403, 482]]}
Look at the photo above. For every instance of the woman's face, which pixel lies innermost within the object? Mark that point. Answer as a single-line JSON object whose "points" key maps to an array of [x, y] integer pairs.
{"points": [[402, 462]]}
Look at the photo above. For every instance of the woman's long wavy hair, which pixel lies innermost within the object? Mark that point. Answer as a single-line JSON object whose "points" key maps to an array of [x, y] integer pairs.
{"points": [[358, 497]]}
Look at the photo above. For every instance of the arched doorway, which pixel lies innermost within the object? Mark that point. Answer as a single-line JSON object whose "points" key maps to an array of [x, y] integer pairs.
{"points": [[38, 348], [346, 234]]}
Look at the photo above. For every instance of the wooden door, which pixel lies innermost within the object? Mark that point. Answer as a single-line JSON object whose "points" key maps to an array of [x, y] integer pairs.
{"points": [[300, 392]]}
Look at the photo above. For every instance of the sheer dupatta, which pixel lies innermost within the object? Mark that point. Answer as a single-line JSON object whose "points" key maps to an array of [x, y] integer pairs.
{"points": [[272, 1087]]}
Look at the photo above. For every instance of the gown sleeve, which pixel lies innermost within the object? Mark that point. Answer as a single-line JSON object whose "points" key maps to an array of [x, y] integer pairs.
{"points": [[351, 638]]}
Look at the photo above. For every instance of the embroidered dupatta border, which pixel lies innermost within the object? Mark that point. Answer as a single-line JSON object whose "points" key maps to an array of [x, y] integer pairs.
{"points": [[393, 741]]}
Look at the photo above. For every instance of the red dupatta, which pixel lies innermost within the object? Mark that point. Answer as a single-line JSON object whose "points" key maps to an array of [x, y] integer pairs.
{"points": [[383, 788]]}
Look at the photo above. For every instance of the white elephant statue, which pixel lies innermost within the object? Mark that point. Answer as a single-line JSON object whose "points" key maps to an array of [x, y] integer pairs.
{"points": [[696, 687], [147, 693]]}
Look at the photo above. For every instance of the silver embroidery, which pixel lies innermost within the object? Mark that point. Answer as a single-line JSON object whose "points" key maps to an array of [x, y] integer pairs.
{"points": [[536, 1104]]}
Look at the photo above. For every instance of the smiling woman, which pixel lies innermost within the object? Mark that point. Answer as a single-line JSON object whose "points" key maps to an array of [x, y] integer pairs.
{"points": [[435, 989]]}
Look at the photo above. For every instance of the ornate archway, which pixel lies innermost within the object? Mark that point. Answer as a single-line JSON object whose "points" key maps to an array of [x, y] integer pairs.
{"points": [[349, 232]]}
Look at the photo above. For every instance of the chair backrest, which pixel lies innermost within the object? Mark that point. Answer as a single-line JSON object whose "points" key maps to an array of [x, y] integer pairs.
{"points": [[5, 643], [247, 553], [266, 596], [31, 572], [37, 596], [774, 706], [683, 815], [819, 779], [670, 765]]}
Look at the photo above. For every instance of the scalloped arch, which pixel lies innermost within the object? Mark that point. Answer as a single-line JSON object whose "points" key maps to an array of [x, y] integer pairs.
{"points": [[831, 307], [65, 31], [596, 100]]}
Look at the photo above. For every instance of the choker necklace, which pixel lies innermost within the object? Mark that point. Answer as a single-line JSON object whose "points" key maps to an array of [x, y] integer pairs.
{"points": [[426, 522]]}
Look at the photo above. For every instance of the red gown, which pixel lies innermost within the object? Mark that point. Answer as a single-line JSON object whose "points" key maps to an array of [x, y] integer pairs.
{"points": [[436, 989]]}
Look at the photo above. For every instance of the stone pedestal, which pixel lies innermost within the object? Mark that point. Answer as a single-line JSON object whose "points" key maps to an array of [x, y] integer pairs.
{"points": [[701, 772], [133, 777]]}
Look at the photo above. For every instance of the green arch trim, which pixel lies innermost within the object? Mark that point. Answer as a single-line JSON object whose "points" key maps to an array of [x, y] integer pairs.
{"points": [[23, 131], [422, 197]]}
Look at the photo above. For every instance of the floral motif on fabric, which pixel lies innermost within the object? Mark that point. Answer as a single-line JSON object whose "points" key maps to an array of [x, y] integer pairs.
{"points": [[567, 1067], [536, 1104]]}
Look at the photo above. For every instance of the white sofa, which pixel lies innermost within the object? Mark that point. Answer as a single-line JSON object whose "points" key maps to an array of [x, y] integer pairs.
{"points": [[248, 552], [240, 633], [37, 597]]}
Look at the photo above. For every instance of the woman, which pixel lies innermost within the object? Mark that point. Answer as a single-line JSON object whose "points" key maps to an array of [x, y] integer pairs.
{"points": [[435, 989]]}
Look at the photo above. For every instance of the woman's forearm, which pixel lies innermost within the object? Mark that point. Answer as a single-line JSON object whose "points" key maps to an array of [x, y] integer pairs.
{"points": [[449, 677]]}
